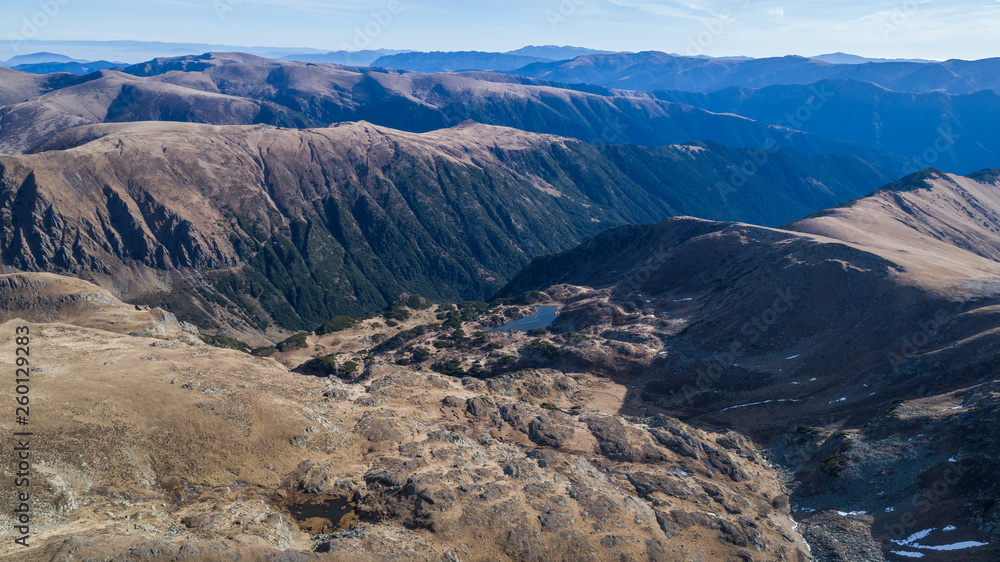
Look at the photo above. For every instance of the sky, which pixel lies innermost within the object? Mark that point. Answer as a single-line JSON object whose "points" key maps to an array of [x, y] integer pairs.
{"points": [[930, 29]]}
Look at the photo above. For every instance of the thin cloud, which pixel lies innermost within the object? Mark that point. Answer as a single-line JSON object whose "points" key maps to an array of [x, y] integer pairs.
{"points": [[682, 9]]}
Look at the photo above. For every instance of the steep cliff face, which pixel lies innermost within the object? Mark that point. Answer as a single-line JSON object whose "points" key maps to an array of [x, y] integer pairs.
{"points": [[287, 227]]}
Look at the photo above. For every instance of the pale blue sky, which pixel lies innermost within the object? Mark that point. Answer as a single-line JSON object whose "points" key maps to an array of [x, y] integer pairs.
{"points": [[934, 29]]}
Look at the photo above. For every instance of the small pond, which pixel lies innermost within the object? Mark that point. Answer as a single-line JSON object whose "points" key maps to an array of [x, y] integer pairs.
{"points": [[543, 318]]}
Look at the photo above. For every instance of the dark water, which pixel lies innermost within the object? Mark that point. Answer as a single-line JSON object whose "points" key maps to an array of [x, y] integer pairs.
{"points": [[332, 509], [541, 319]]}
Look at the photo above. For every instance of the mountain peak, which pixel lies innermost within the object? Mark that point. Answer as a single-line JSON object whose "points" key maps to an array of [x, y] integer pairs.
{"points": [[989, 175], [36, 58], [921, 179]]}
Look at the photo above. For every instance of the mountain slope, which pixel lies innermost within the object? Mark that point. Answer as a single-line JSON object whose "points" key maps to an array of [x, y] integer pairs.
{"points": [[941, 227], [215, 447], [922, 247], [286, 93], [16, 87], [294, 227], [861, 346], [951, 132], [110, 96], [652, 70]]}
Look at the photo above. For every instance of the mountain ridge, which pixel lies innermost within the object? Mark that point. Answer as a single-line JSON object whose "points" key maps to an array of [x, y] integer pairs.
{"points": [[918, 247], [342, 220], [311, 95], [654, 70], [929, 129], [858, 345], [938, 225]]}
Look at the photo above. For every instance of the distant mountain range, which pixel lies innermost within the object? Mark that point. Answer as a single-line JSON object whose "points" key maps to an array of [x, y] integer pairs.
{"points": [[347, 58], [46, 63], [229, 89], [36, 58], [554, 52], [952, 132], [653, 70], [898, 131], [447, 61], [845, 58], [137, 51], [456, 61], [78, 68], [478, 60]]}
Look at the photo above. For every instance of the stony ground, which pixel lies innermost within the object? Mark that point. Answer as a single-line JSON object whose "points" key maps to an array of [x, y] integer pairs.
{"points": [[420, 434], [151, 445]]}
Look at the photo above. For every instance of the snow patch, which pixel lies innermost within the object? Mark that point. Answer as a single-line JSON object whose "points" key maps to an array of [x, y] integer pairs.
{"points": [[956, 546], [914, 537], [911, 542], [759, 403]]}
